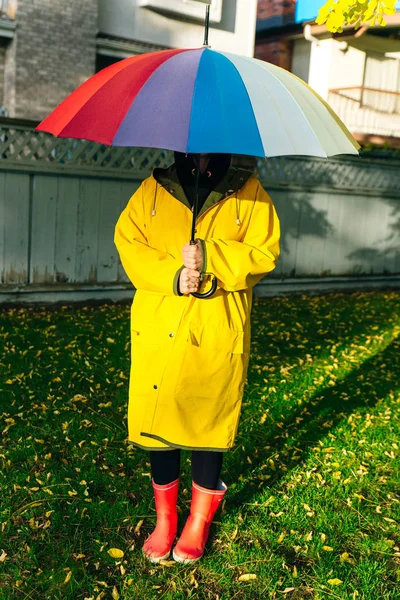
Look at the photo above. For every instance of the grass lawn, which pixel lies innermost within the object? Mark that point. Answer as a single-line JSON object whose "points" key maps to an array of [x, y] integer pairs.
{"points": [[313, 503]]}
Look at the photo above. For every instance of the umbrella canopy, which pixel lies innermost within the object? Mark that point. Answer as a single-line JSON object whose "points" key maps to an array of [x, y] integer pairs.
{"points": [[201, 100]]}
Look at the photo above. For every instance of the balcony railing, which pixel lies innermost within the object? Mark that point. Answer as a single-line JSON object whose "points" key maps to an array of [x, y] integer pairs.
{"points": [[367, 110]]}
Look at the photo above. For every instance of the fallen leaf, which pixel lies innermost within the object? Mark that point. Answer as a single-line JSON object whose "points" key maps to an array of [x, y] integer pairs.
{"points": [[335, 581], [115, 553], [115, 594], [138, 526], [68, 577], [247, 577]]}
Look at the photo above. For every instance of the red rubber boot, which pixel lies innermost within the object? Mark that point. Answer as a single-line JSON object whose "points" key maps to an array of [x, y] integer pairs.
{"points": [[204, 505], [159, 543]]}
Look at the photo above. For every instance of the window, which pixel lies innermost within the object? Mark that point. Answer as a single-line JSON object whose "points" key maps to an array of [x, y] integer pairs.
{"points": [[189, 8]]}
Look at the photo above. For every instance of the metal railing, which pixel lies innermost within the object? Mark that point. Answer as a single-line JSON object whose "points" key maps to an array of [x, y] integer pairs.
{"points": [[367, 110], [386, 101]]}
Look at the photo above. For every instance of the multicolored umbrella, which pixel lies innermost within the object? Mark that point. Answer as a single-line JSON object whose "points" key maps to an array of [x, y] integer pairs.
{"points": [[201, 101]]}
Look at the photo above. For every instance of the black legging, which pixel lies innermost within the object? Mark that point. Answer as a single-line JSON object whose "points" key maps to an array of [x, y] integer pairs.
{"points": [[206, 466]]}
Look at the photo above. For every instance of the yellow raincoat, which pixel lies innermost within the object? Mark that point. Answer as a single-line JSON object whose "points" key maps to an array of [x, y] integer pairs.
{"points": [[189, 357]]}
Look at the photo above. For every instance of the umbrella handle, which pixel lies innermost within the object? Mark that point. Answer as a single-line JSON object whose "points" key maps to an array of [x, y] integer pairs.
{"points": [[210, 292]]}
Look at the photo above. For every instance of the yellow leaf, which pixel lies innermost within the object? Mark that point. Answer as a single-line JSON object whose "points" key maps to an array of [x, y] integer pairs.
{"points": [[344, 556], [68, 577], [327, 548], [193, 580], [359, 496], [115, 553], [115, 594], [280, 538], [138, 526], [247, 577], [167, 563], [294, 571], [335, 581]]}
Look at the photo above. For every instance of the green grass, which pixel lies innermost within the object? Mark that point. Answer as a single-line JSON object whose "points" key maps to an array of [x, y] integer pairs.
{"points": [[312, 509]]}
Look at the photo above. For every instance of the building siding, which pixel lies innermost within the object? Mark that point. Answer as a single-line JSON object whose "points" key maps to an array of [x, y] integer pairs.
{"points": [[53, 51]]}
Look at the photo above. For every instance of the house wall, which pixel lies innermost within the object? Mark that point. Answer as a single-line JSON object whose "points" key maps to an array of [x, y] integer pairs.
{"points": [[325, 66], [235, 33], [275, 8], [53, 51], [301, 59]]}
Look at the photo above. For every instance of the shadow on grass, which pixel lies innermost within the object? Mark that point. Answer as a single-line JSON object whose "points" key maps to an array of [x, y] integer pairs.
{"points": [[363, 386]]}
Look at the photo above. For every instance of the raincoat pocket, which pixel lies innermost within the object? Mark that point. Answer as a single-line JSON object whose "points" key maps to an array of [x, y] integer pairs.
{"points": [[224, 339], [211, 366]]}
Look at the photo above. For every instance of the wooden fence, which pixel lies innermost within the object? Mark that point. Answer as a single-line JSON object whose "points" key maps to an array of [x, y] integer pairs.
{"points": [[60, 200]]}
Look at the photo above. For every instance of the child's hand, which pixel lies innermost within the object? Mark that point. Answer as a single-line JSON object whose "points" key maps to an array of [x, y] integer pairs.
{"points": [[189, 281], [193, 256]]}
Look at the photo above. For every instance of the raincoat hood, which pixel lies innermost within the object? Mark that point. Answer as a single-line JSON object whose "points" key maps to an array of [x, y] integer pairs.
{"points": [[233, 180], [217, 167]]}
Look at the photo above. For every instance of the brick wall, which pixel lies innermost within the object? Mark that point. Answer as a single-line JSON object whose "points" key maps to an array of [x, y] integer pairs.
{"points": [[274, 8], [275, 51], [52, 53]]}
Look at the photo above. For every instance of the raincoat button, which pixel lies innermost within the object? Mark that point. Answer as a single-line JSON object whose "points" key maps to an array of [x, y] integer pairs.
{"points": [[155, 386], [171, 335]]}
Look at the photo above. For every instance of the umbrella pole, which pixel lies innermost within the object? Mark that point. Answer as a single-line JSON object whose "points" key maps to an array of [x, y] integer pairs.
{"points": [[207, 25], [196, 158], [192, 242]]}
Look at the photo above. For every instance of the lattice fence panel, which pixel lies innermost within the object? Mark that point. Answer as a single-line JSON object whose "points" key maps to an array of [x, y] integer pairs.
{"points": [[26, 146], [345, 173], [23, 146]]}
